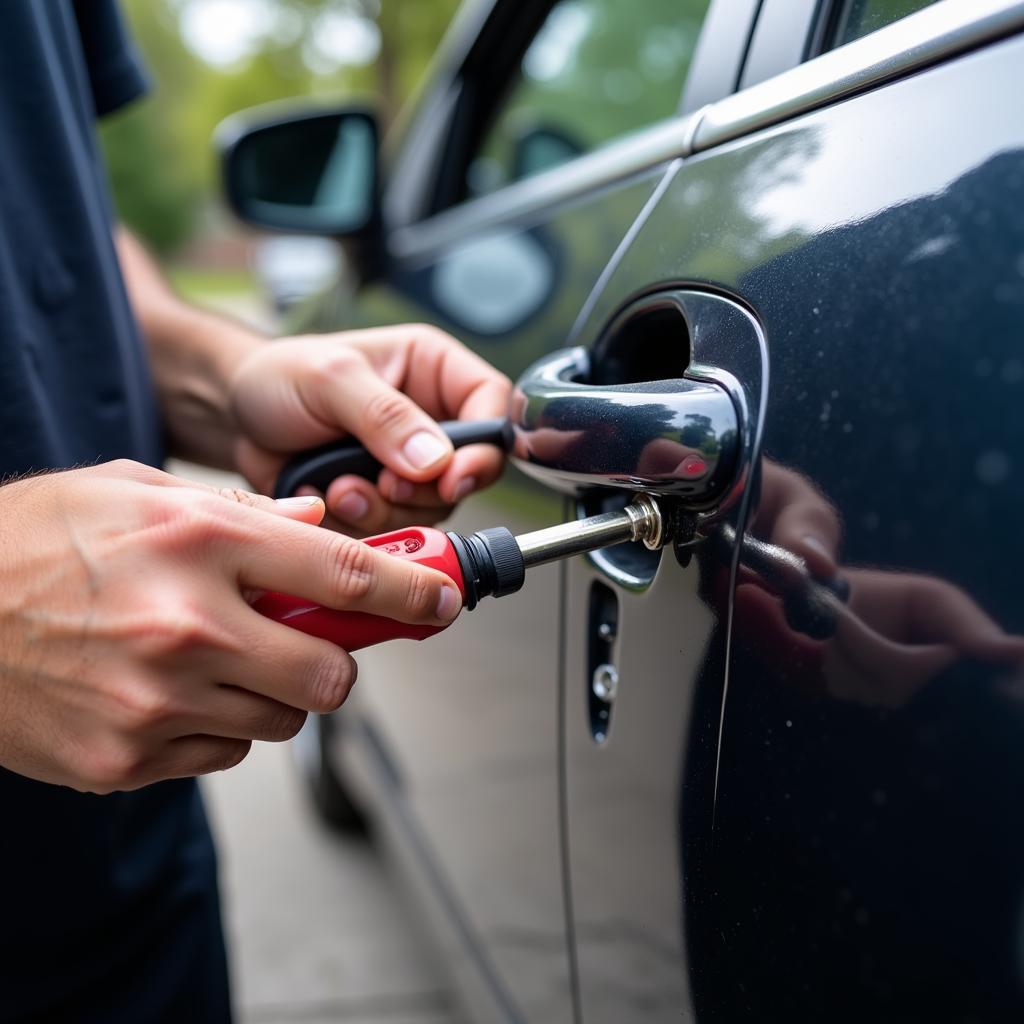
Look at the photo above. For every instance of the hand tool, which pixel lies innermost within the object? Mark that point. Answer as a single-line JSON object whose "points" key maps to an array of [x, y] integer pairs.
{"points": [[487, 563], [812, 605], [319, 466]]}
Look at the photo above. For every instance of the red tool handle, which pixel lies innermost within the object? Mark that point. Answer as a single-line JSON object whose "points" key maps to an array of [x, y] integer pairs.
{"points": [[355, 630]]}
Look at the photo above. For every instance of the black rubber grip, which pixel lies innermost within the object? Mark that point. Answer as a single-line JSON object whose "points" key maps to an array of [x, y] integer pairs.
{"points": [[491, 563], [319, 466]]}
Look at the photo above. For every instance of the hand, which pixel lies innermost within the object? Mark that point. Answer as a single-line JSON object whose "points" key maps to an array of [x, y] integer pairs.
{"points": [[795, 515], [902, 630], [897, 631], [128, 652], [386, 387]]}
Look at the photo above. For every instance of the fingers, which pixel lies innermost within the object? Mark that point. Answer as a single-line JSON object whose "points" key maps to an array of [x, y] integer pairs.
{"points": [[438, 373], [936, 611], [336, 571], [447, 381], [465, 387], [351, 395], [304, 508], [386, 387], [307, 508], [808, 531], [471, 469], [796, 516], [277, 663], [189, 756], [235, 713], [358, 506]]}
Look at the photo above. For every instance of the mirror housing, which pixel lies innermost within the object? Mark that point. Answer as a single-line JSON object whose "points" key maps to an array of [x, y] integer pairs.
{"points": [[316, 172]]}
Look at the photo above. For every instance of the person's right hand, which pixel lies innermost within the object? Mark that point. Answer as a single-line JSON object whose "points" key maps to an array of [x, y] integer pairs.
{"points": [[128, 651]]}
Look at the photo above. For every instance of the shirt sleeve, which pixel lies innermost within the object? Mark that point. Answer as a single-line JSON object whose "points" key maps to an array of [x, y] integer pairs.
{"points": [[117, 74]]}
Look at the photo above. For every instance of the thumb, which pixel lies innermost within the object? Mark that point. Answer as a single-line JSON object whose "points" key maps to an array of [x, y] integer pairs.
{"points": [[305, 508], [390, 424]]}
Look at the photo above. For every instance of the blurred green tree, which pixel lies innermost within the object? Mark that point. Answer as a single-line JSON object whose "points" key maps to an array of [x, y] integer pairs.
{"points": [[158, 151]]}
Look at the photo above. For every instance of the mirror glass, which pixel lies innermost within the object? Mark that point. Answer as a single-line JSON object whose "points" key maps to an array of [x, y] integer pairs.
{"points": [[315, 173]]}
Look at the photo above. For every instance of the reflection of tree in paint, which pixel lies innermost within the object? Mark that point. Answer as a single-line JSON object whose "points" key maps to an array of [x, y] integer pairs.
{"points": [[595, 71], [699, 433]]}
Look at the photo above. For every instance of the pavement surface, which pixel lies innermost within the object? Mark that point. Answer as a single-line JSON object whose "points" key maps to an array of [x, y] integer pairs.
{"points": [[318, 930]]}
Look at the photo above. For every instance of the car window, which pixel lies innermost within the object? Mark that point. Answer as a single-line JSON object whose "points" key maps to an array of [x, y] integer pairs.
{"points": [[595, 71], [856, 18]]}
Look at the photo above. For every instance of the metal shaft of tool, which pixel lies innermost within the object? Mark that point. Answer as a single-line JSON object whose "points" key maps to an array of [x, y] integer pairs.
{"points": [[638, 521]]}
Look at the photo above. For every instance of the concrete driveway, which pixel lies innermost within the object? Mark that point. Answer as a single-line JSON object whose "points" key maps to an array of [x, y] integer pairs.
{"points": [[317, 931]]}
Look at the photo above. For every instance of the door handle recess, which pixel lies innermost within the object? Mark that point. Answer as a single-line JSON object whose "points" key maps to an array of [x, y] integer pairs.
{"points": [[671, 437]]}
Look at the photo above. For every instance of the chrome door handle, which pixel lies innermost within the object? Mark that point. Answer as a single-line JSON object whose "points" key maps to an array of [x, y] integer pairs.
{"points": [[672, 437]]}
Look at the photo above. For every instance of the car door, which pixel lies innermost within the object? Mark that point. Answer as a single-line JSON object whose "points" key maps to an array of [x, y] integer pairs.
{"points": [[808, 807], [547, 129]]}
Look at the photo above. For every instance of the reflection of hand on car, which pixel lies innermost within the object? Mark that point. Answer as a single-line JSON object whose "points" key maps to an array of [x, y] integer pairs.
{"points": [[795, 515], [896, 631], [602, 447], [669, 459], [901, 630]]}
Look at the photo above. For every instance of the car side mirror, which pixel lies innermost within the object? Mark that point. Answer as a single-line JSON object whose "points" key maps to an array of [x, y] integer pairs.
{"points": [[316, 173]]}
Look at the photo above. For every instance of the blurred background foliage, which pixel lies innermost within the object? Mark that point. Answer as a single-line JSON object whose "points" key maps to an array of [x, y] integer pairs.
{"points": [[210, 58]]}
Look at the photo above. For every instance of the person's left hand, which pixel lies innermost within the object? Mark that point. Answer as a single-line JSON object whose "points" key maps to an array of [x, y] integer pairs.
{"points": [[385, 386]]}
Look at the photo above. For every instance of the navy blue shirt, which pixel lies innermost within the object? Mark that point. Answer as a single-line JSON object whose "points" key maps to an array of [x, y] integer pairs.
{"points": [[108, 905]]}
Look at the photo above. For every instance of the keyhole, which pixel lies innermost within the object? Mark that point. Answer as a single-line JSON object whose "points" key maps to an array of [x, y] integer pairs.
{"points": [[602, 676]]}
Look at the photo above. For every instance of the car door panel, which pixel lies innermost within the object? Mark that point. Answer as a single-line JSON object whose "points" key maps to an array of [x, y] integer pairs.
{"points": [[852, 849], [625, 757]]}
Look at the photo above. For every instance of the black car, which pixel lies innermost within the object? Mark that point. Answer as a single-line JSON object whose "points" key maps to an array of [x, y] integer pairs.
{"points": [[775, 770]]}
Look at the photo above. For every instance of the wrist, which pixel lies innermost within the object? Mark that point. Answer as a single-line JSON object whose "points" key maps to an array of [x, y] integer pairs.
{"points": [[196, 355], [202, 342]]}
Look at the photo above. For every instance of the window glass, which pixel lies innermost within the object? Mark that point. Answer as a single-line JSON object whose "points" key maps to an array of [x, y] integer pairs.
{"points": [[595, 71], [857, 18]]}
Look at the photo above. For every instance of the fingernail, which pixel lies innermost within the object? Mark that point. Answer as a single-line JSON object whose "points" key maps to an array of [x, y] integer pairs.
{"points": [[448, 604], [423, 449], [352, 507], [402, 491], [816, 545], [465, 486], [300, 501]]}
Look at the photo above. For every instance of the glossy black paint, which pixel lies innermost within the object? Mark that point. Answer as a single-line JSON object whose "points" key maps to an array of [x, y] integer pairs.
{"points": [[854, 848]]}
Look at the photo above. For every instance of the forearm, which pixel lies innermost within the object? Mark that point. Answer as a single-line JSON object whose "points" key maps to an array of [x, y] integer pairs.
{"points": [[193, 353]]}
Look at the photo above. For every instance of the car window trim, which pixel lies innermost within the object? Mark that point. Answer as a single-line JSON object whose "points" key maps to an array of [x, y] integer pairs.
{"points": [[415, 142], [504, 35], [920, 40], [720, 53], [483, 79], [781, 38], [712, 75], [643, 151]]}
